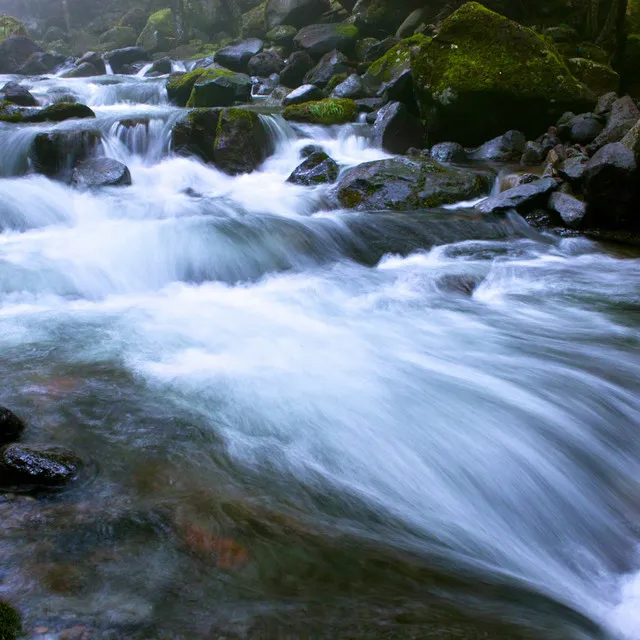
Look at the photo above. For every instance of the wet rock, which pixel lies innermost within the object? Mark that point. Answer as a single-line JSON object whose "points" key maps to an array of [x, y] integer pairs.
{"points": [[461, 284], [157, 35], [10, 622], [319, 39], [369, 105], [448, 152], [29, 466], [582, 129], [195, 134], [571, 210], [265, 64], [236, 56], [297, 67], [501, 149], [549, 140], [396, 129], [305, 93], [605, 103], [121, 59], [318, 168], [572, 169], [533, 153], [353, 88], [310, 149], [331, 64], [296, 13], [11, 427], [84, 70], [101, 172], [40, 63], [55, 153], [522, 198], [94, 59], [282, 35], [221, 91], [17, 94], [404, 184], [160, 67], [623, 115], [62, 111], [15, 51]]}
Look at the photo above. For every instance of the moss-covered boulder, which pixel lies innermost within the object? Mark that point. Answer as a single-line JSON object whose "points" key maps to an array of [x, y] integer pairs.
{"points": [[61, 111], [282, 36], [136, 18], [118, 37], [254, 24], [158, 34], [10, 622], [54, 154], [319, 39], [403, 184], [600, 78], [195, 134], [10, 26], [327, 112], [222, 90], [180, 85], [484, 74]]}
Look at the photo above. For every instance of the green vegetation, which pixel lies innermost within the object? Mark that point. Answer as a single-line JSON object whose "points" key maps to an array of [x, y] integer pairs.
{"points": [[600, 78], [158, 34], [119, 37], [339, 78], [10, 26], [180, 85], [396, 60], [327, 112]]}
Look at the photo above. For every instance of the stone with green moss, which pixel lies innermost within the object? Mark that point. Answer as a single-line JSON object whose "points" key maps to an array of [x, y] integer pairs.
{"points": [[339, 78], [600, 78], [10, 622], [326, 112], [318, 39], [61, 111], [180, 85], [118, 38], [220, 90], [484, 74], [10, 26], [282, 35], [254, 24], [395, 62], [159, 33]]}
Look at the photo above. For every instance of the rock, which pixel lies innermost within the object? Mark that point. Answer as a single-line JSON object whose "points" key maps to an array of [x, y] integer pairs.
{"points": [[327, 112], [120, 59], [40, 63], [195, 134], [318, 168], [297, 67], [412, 22], [319, 39], [28, 466], [352, 88], [501, 149], [448, 152], [550, 139], [570, 209], [404, 184], [236, 56], [253, 23], [483, 74], [160, 67], [220, 91], [10, 622], [180, 85], [396, 129], [55, 153], [310, 149], [62, 111], [376, 17], [305, 93], [369, 50], [84, 70], [265, 64], [15, 51], [11, 427], [282, 35], [135, 18], [158, 34], [610, 188], [119, 37], [605, 103], [562, 34], [572, 169], [296, 13], [632, 141], [330, 65], [523, 198], [600, 78], [623, 115], [370, 105], [582, 129], [94, 59], [17, 94], [10, 26], [101, 172], [533, 153]]}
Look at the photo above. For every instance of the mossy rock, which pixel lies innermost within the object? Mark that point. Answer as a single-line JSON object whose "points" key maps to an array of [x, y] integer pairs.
{"points": [[326, 112], [254, 24], [10, 26], [10, 112], [395, 61], [180, 85], [282, 35], [339, 78], [221, 88], [158, 34], [484, 74], [118, 38], [10, 622], [61, 111], [600, 78], [135, 18], [587, 50]]}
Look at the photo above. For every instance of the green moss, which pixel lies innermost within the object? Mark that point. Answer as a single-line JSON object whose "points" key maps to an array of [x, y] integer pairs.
{"points": [[339, 78], [254, 23], [10, 26], [62, 111], [10, 622], [119, 37], [283, 34], [158, 34], [347, 30], [180, 85], [327, 112], [396, 59], [600, 78], [200, 99]]}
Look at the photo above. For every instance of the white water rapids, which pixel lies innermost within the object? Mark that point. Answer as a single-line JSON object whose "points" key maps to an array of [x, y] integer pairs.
{"points": [[491, 427]]}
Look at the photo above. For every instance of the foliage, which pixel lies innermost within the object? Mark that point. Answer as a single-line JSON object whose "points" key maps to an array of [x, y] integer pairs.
{"points": [[327, 112], [10, 26]]}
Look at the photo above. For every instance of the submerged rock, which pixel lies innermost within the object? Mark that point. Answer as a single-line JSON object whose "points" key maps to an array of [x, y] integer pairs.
{"points": [[17, 94], [61, 111], [318, 168], [522, 198], [101, 172], [11, 427]]}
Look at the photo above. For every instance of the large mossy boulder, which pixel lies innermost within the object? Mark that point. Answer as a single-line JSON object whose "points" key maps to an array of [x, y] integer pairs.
{"points": [[483, 74], [158, 34], [403, 184], [180, 85], [10, 26], [600, 78], [326, 112], [220, 91], [118, 37]]}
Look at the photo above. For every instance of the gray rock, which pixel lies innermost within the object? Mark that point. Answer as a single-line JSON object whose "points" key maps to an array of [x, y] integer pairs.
{"points": [[282, 36], [572, 169], [522, 198], [369, 105], [296, 13], [101, 172], [84, 70], [236, 56], [624, 114], [533, 153], [396, 129], [15, 51], [55, 153], [448, 152], [605, 103], [161, 67], [352, 88], [582, 129], [95, 59], [317, 169], [374, 49], [222, 91], [265, 64], [297, 67], [121, 59], [42, 62], [319, 39], [305, 93], [501, 149], [17, 94], [331, 64], [571, 210], [11, 427]]}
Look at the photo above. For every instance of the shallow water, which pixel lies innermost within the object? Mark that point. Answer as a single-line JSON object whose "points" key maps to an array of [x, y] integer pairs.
{"points": [[305, 423]]}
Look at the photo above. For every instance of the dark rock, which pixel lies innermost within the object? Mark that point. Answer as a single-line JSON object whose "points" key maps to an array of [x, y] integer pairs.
{"points": [[549, 140], [40, 63], [319, 39], [266, 63], [369, 105], [10, 622], [282, 36], [605, 103], [160, 67], [396, 129], [305, 93], [94, 59], [11, 427], [522, 198], [461, 284], [296, 13], [412, 22], [121, 59], [222, 91], [448, 152], [375, 49], [297, 67], [570, 209], [195, 134], [331, 64], [55, 153], [236, 56], [533, 153], [582, 129], [62, 111], [318, 168], [501, 149], [572, 169], [310, 149], [17, 94], [27, 466], [15, 51], [624, 114], [404, 184], [353, 87], [400, 88], [632, 141], [101, 172], [84, 70]]}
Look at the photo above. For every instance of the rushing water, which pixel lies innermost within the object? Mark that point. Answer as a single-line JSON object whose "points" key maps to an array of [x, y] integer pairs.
{"points": [[305, 423]]}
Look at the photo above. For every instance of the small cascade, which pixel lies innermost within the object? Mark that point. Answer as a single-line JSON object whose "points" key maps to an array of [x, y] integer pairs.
{"points": [[143, 72], [108, 69]]}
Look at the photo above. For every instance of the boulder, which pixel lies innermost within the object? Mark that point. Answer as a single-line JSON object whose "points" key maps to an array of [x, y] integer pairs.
{"points": [[523, 198], [160, 67], [180, 85], [37, 467], [319, 39], [296, 13], [55, 153], [396, 129], [297, 67], [369, 50], [17, 94], [483, 73], [10, 26], [632, 141], [282, 35], [254, 24], [623, 115], [101, 172], [353, 88], [378, 17], [41, 63], [15, 51], [135, 18], [533, 153], [403, 184], [94, 59], [221, 91], [582, 129], [329, 111], [600, 78], [84, 70], [370, 105], [121, 59], [572, 170], [119, 37], [571, 210], [265, 64], [318, 168], [236, 56], [504, 148], [331, 64], [448, 152], [605, 103], [11, 427], [61, 111], [158, 34], [195, 134], [305, 93]]}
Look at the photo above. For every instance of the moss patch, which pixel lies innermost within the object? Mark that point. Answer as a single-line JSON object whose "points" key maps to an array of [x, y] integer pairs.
{"points": [[396, 60], [10, 26], [327, 112], [600, 78], [119, 37], [180, 85], [339, 78], [62, 111], [158, 34]]}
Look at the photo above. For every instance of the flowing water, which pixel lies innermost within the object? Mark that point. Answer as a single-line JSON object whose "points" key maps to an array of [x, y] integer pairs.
{"points": [[306, 423]]}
